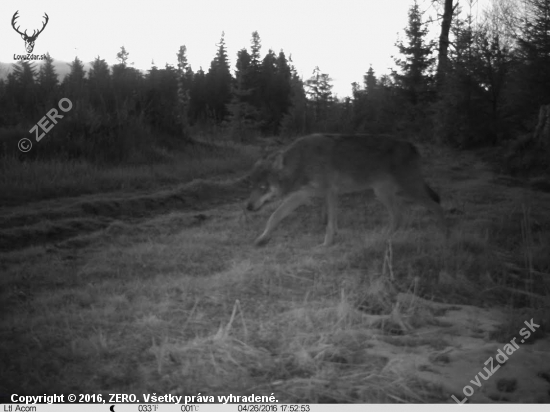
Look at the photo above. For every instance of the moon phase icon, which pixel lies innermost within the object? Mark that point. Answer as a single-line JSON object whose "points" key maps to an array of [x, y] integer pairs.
{"points": [[112, 408]]}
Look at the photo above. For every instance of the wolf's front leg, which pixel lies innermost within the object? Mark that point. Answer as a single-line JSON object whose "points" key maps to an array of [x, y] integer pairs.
{"points": [[285, 208], [332, 218]]}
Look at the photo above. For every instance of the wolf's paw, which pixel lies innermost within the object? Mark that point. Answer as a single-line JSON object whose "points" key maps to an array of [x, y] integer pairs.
{"points": [[322, 246], [329, 240], [261, 241]]}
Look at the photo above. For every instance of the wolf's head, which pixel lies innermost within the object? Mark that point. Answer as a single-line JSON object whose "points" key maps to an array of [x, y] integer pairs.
{"points": [[264, 180]]}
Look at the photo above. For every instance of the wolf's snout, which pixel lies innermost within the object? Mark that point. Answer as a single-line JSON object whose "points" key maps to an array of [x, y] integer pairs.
{"points": [[250, 206]]}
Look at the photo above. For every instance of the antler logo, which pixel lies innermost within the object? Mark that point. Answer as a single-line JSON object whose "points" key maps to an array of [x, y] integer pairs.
{"points": [[29, 40]]}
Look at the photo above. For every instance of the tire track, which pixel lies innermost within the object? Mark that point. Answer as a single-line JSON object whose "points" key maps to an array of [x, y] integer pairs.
{"points": [[61, 219]]}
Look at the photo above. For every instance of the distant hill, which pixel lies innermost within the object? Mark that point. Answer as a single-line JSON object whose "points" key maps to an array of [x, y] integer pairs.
{"points": [[61, 68]]}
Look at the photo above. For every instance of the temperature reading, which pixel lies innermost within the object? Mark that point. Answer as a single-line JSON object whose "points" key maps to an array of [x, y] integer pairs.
{"points": [[148, 408]]}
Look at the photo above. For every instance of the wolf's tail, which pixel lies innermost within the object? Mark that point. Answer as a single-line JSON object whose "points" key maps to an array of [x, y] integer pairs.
{"points": [[433, 194]]}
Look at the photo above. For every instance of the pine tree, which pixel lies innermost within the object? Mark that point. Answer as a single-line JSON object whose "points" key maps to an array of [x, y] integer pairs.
{"points": [[242, 74], [283, 87], [7, 117], [22, 86], [243, 116], [253, 75], [74, 82], [262, 96], [218, 83], [370, 104], [185, 78], [415, 77], [126, 84], [370, 81], [99, 83], [122, 56], [267, 93], [365, 103], [255, 48], [320, 94], [533, 73], [298, 120], [47, 83], [186, 74], [198, 107], [493, 60], [275, 90], [458, 96]]}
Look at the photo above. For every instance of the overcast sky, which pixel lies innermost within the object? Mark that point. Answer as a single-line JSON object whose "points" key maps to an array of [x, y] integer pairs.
{"points": [[342, 37]]}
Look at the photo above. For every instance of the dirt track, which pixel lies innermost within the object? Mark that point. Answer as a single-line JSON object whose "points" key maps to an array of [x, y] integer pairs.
{"points": [[61, 219]]}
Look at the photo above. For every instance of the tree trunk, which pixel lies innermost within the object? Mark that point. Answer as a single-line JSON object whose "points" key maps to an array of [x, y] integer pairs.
{"points": [[542, 131], [444, 42]]}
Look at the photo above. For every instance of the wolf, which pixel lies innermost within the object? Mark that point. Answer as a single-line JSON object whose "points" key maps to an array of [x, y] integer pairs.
{"points": [[327, 165]]}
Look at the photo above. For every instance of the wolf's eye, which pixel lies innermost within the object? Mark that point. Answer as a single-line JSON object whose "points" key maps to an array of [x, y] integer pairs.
{"points": [[263, 187]]}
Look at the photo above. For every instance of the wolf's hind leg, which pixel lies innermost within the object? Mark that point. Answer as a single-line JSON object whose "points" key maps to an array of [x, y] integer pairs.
{"points": [[386, 193], [332, 217]]}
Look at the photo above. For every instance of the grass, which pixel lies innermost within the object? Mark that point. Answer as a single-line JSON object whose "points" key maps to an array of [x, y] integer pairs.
{"points": [[173, 303], [25, 182]]}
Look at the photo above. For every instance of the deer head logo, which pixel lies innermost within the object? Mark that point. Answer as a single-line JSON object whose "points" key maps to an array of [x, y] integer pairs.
{"points": [[29, 40]]}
